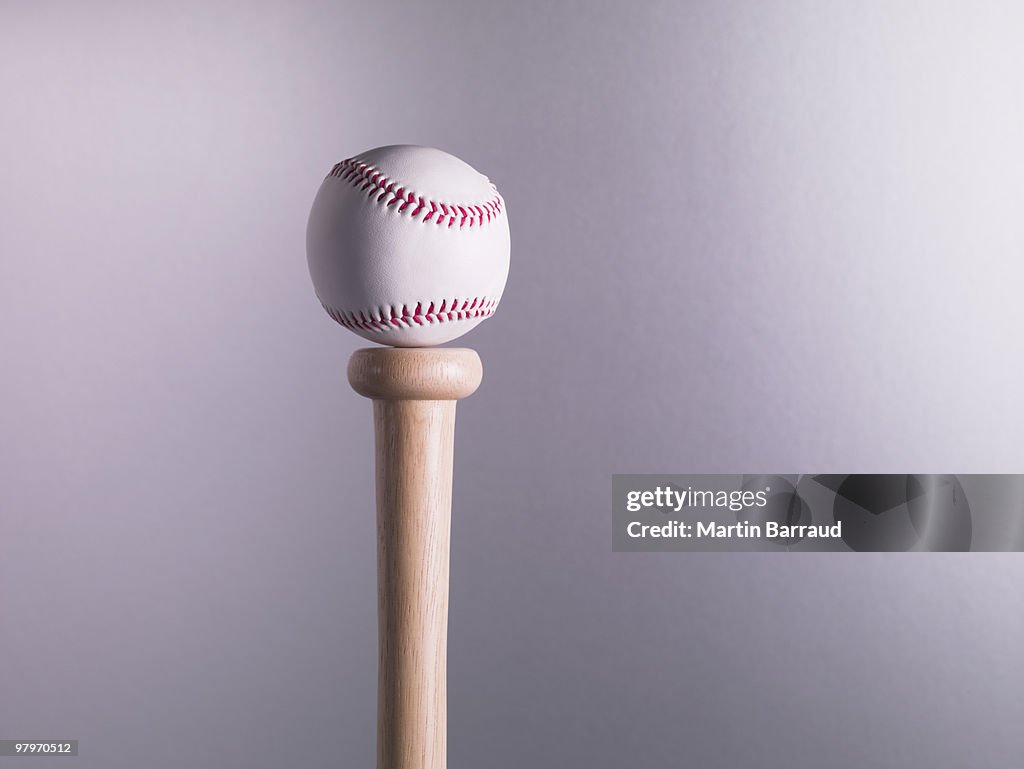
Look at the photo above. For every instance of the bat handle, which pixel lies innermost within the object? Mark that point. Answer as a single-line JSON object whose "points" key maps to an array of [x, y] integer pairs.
{"points": [[414, 394]]}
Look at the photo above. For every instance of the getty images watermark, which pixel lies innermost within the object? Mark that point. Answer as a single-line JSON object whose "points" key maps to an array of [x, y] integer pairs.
{"points": [[869, 513], [673, 499]]}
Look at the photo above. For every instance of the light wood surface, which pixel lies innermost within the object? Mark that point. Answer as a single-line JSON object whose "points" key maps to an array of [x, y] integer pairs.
{"points": [[414, 393]]}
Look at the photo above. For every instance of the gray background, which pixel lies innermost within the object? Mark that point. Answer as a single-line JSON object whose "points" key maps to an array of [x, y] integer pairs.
{"points": [[747, 237]]}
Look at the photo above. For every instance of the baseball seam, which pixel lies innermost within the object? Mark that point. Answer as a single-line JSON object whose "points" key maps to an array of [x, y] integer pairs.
{"points": [[388, 192], [408, 316]]}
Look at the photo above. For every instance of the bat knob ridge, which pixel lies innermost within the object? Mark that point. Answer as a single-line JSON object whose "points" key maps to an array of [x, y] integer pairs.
{"points": [[424, 374]]}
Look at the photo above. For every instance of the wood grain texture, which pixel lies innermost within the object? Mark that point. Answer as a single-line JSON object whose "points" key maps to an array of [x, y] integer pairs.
{"points": [[423, 373], [414, 393]]}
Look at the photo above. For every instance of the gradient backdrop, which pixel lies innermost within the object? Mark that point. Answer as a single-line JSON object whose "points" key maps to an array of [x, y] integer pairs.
{"points": [[748, 237]]}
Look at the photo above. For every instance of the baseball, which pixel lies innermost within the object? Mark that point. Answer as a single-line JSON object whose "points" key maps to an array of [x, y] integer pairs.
{"points": [[408, 246]]}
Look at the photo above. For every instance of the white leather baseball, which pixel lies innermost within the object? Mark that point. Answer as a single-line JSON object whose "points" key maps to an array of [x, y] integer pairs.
{"points": [[408, 246]]}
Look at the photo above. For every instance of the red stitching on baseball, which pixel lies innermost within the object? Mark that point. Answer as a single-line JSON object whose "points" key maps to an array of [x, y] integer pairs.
{"points": [[403, 316], [370, 180]]}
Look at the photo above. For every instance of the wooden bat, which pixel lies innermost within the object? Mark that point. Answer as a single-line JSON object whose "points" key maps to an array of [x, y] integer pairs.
{"points": [[414, 392]]}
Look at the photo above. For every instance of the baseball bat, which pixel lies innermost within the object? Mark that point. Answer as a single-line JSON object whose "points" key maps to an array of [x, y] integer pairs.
{"points": [[414, 392]]}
